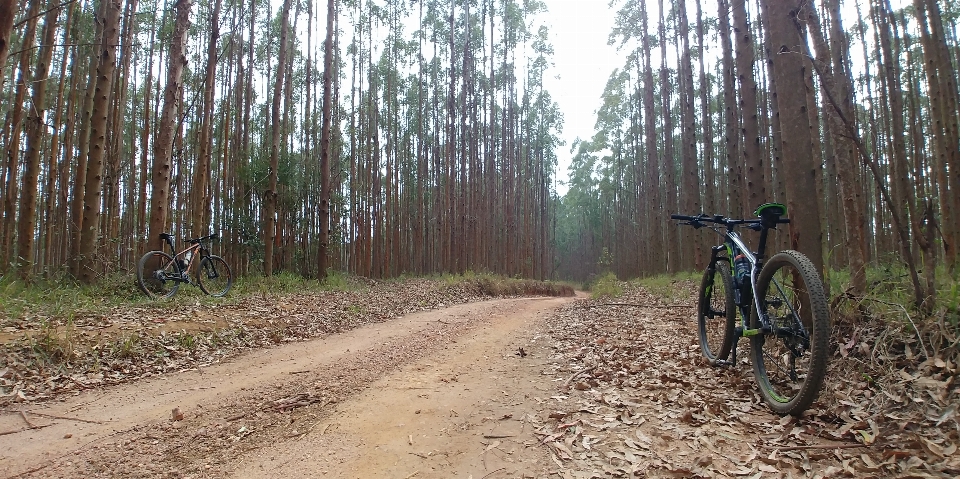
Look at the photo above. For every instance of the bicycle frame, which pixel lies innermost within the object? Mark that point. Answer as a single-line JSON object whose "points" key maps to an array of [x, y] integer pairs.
{"points": [[734, 245], [196, 249]]}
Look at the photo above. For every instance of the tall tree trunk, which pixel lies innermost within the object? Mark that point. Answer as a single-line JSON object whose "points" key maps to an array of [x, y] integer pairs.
{"points": [[167, 129], [270, 195], [8, 11], [54, 216], [731, 117], [145, 127], [669, 161], [706, 114], [12, 167], [26, 226], [908, 194], [200, 192], [790, 66], [845, 149], [103, 94], [946, 147], [752, 163], [325, 145]]}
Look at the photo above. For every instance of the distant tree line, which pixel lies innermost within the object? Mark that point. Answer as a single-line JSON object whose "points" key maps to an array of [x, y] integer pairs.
{"points": [[375, 137], [844, 111]]}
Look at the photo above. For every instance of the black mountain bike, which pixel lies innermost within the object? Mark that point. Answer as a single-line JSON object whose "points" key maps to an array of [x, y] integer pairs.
{"points": [[159, 274], [782, 305]]}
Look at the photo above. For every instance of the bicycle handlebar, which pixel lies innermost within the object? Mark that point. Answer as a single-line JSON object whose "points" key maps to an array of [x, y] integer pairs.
{"points": [[698, 220], [211, 236]]}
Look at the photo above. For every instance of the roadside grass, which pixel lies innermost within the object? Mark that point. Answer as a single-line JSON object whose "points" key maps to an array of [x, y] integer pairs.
{"points": [[490, 284], [887, 311], [605, 286], [59, 301], [663, 285]]}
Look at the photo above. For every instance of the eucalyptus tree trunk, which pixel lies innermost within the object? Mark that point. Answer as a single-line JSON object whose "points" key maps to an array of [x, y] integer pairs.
{"points": [[12, 167], [145, 128], [669, 161], [752, 162], [692, 254], [943, 123], [709, 179], [270, 195], [8, 11], [26, 225], [731, 117], [325, 145], [167, 129], [837, 86], [906, 192], [54, 214], [200, 192], [102, 96], [789, 69], [657, 261]]}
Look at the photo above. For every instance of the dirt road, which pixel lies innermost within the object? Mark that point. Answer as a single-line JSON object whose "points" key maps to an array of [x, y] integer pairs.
{"points": [[437, 394], [507, 388]]}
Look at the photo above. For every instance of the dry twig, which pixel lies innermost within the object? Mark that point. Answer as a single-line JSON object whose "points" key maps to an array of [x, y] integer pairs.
{"points": [[651, 306], [578, 374]]}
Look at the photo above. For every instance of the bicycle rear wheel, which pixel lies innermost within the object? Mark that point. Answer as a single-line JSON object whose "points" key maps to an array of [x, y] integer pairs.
{"points": [[214, 276], [790, 361], [716, 312], [155, 275]]}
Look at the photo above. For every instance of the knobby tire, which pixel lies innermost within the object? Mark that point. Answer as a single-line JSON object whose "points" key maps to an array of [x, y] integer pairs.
{"points": [[716, 312], [152, 271], [790, 363], [214, 276]]}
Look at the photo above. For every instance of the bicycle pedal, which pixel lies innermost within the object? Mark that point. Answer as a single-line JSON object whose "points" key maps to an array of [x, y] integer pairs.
{"points": [[724, 362]]}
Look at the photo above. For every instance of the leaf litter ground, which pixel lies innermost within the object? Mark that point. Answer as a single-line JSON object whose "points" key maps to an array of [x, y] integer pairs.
{"points": [[597, 388]]}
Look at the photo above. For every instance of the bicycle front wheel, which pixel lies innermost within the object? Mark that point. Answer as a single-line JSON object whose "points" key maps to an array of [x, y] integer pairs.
{"points": [[790, 361], [155, 275], [716, 312], [214, 276]]}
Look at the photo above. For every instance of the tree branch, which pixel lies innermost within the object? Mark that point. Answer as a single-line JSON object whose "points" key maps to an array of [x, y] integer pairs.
{"points": [[25, 20]]}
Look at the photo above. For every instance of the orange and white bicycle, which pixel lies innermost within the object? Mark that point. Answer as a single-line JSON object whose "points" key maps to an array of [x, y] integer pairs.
{"points": [[159, 274]]}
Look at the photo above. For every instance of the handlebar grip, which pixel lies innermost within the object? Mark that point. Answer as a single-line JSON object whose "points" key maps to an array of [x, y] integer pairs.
{"points": [[682, 217], [214, 235], [783, 220]]}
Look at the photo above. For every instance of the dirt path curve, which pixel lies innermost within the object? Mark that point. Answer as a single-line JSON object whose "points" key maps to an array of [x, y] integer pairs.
{"points": [[436, 394]]}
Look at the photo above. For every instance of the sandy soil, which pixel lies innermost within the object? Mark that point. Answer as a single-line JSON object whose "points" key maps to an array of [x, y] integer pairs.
{"points": [[437, 394]]}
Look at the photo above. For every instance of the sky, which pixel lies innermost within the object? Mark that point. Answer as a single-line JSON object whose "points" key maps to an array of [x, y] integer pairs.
{"points": [[582, 63]]}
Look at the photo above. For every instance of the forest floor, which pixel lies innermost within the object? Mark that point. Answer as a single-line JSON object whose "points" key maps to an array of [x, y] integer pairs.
{"points": [[420, 380]]}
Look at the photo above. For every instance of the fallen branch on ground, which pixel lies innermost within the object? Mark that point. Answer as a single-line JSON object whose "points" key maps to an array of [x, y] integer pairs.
{"points": [[815, 446], [651, 306], [577, 374], [6, 433]]}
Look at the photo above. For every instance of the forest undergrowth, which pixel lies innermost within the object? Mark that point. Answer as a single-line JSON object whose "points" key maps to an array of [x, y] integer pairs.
{"points": [[66, 339], [892, 379]]}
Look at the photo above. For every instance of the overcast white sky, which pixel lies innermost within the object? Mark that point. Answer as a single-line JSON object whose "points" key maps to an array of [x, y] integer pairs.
{"points": [[583, 62]]}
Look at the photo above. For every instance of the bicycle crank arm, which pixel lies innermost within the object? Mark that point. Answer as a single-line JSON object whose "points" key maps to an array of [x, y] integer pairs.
{"points": [[745, 333]]}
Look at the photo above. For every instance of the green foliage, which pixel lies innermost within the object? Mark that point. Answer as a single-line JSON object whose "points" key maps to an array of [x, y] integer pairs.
{"points": [[64, 298], [606, 286], [890, 296], [51, 345], [127, 347], [665, 285]]}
